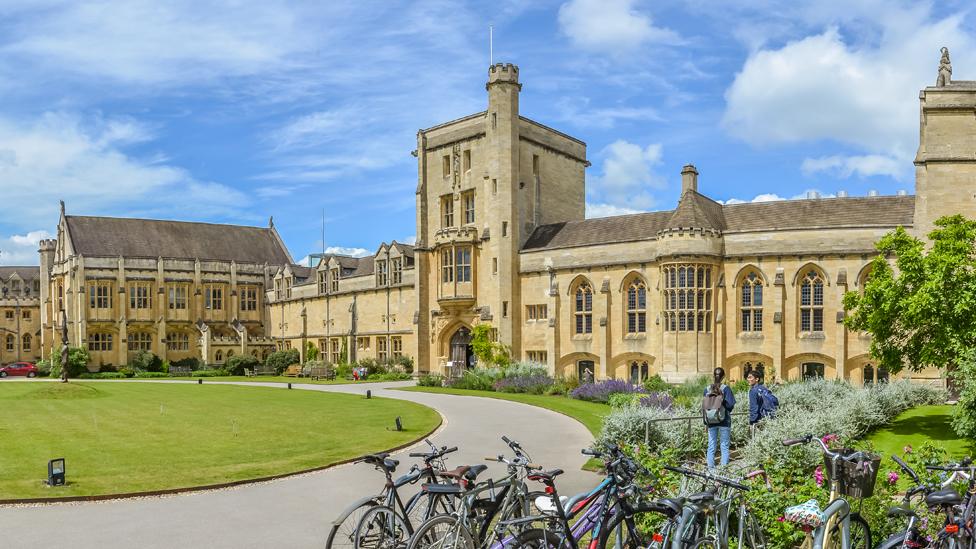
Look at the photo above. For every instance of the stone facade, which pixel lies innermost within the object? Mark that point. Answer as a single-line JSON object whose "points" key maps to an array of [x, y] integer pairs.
{"points": [[191, 299], [20, 314]]}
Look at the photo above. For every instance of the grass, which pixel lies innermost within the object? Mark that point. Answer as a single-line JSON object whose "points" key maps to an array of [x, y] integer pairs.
{"points": [[590, 414], [282, 379], [932, 423], [132, 437]]}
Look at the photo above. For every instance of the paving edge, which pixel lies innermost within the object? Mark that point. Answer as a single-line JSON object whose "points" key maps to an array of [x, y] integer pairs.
{"points": [[220, 486]]}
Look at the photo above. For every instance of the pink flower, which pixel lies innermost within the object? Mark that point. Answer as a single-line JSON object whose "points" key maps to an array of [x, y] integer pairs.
{"points": [[818, 476], [907, 449], [892, 477], [781, 519], [828, 439]]}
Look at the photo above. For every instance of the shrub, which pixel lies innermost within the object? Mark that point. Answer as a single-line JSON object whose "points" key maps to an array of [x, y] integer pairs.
{"points": [[601, 391], [343, 371], [145, 375], [478, 379], [311, 351], [43, 368], [146, 361], [191, 362], [107, 368], [964, 418], [663, 401], [563, 385], [487, 349], [279, 361], [404, 363], [238, 363], [430, 380], [624, 400], [102, 375], [656, 384], [78, 359], [535, 384], [390, 376], [211, 373]]}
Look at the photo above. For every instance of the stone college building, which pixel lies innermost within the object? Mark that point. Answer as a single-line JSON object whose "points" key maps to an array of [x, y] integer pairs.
{"points": [[502, 239]]}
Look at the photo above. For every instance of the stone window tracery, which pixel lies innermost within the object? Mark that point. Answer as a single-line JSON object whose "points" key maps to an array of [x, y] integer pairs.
{"points": [[637, 307], [688, 298], [140, 341], [811, 301], [100, 341], [751, 303], [583, 309]]}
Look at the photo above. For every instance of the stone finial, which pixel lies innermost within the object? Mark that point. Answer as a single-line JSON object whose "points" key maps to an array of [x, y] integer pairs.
{"points": [[61, 202], [689, 178], [945, 69]]}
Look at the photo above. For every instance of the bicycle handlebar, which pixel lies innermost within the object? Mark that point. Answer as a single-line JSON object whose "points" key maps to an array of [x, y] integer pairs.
{"points": [[795, 441], [435, 454], [906, 468], [708, 476]]}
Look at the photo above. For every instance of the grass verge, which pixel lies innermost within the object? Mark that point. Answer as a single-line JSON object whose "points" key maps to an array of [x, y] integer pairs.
{"points": [[933, 423], [133, 437]]}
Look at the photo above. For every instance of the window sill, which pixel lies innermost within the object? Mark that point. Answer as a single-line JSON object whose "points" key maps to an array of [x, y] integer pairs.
{"points": [[751, 335], [811, 335], [582, 337], [635, 336]]}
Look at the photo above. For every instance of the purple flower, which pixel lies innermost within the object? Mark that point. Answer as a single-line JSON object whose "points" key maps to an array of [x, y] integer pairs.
{"points": [[601, 391], [535, 383], [892, 477], [818, 476], [657, 400]]}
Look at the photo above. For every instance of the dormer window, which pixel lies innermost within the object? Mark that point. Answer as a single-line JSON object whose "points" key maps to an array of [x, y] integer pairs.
{"points": [[322, 279], [334, 279], [397, 270], [381, 273]]}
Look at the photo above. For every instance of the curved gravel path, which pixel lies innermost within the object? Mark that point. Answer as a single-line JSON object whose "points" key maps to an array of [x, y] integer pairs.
{"points": [[297, 512]]}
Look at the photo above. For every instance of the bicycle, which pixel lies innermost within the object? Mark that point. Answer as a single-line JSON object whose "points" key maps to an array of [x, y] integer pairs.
{"points": [[958, 530], [345, 528], [470, 525], [705, 519], [823, 529]]}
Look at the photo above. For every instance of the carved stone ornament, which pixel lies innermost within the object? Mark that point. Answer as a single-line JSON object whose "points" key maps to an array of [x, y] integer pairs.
{"points": [[457, 165], [945, 69]]}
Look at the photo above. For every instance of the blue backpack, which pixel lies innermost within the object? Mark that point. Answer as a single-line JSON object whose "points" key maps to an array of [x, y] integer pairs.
{"points": [[768, 403]]}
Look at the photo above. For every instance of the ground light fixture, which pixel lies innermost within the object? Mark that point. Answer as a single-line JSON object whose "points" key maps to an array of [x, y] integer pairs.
{"points": [[55, 472], [399, 424], [369, 394]]}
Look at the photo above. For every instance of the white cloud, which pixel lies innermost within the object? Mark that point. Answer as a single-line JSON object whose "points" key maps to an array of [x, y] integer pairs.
{"points": [[84, 163], [316, 128], [607, 210], [21, 249], [861, 94], [862, 166], [610, 26], [577, 111], [628, 175], [411, 240]]}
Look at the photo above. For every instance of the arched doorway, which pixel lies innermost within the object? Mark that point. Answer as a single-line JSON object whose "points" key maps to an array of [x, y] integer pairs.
{"points": [[461, 357], [638, 372], [585, 371], [812, 370]]}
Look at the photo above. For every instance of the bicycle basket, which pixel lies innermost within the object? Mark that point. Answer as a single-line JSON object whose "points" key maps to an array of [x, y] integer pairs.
{"points": [[856, 477]]}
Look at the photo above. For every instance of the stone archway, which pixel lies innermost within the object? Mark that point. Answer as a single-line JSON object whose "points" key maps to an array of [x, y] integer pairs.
{"points": [[461, 356]]}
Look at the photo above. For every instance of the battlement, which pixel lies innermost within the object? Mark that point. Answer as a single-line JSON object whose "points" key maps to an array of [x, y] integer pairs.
{"points": [[503, 73], [48, 245]]}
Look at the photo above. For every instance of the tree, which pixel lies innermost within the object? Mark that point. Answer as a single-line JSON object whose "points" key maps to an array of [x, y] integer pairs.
{"points": [[922, 312], [311, 351], [77, 362]]}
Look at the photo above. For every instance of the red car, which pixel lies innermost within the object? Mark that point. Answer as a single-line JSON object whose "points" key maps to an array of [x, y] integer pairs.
{"points": [[19, 369]]}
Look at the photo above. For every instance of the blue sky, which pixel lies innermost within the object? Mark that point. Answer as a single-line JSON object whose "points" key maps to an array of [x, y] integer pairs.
{"points": [[232, 112]]}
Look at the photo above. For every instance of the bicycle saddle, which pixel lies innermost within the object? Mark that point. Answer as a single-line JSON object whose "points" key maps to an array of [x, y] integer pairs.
{"points": [[545, 475], [943, 498], [466, 472], [701, 497], [670, 507], [441, 488], [806, 514], [899, 511], [382, 460]]}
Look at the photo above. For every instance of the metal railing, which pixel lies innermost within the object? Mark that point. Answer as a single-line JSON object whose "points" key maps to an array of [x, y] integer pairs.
{"points": [[688, 419]]}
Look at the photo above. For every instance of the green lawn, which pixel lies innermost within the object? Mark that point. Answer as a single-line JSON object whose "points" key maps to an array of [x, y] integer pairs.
{"points": [[590, 414], [128, 437], [281, 379], [932, 423]]}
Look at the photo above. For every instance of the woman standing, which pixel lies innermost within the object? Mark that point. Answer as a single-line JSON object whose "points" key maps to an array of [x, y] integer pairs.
{"points": [[717, 406]]}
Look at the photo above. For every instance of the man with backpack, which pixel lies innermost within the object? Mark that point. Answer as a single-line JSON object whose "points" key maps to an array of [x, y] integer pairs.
{"points": [[762, 402], [717, 406]]}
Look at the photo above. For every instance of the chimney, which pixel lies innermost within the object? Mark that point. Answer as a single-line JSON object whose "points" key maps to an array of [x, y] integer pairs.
{"points": [[902, 192], [841, 194], [813, 194], [689, 178], [872, 192]]}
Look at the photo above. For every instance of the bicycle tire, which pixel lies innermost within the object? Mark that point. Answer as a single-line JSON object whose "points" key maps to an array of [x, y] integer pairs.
{"points": [[381, 528], [425, 536], [537, 538], [428, 506], [753, 534], [707, 542], [629, 542], [343, 534], [860, 533]]}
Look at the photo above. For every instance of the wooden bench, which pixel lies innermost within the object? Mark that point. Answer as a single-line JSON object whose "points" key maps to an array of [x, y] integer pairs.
{"points": [[295, 370], [320, 372], [263, 371], [180, 371], [248, 372]]}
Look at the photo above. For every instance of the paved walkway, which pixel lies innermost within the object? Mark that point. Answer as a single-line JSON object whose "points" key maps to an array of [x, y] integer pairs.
{"points": [[297, 512]]}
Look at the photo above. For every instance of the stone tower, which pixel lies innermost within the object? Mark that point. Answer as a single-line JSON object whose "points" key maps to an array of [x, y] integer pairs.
{"points": [[945, 166], [49, 316]]}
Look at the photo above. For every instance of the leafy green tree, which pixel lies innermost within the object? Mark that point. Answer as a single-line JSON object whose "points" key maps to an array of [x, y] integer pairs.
{"points": [[922, 312], [77, 362], [280, 360], [311, 351]]}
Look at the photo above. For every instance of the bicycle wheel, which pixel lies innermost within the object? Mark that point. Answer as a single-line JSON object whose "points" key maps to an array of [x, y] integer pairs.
{"points": [[860, 533], [441, 532], [428, 506], [381, 528], [344, 534], [537, 538]]}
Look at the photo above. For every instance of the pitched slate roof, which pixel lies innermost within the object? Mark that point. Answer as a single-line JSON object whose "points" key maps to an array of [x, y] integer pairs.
{"points": [[25, 273], [114, 236], [699, 212]]}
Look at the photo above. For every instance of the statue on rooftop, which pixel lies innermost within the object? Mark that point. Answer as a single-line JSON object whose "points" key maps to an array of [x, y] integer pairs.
{"points": [[945, 69]]}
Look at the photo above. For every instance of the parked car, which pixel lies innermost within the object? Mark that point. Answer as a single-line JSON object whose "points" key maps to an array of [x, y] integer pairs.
{"points": [[19, 369]]}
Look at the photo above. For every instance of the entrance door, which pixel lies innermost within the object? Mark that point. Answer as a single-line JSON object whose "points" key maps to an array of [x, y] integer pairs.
{"points": [[461, 356], [634, 373], [585, 371]]}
